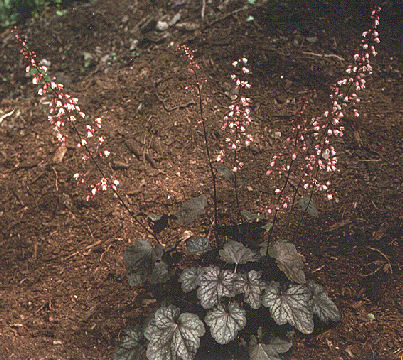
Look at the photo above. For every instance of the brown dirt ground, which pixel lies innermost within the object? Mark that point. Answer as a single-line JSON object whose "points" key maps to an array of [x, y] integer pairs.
{"points": [[63, 290]]}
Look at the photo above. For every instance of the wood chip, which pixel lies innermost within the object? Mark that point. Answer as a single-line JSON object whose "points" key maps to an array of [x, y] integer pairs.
{"points": [[59, 154]]}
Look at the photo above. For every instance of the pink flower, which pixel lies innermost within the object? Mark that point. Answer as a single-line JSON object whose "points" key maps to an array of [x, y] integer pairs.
{"points": [[65, 112]]}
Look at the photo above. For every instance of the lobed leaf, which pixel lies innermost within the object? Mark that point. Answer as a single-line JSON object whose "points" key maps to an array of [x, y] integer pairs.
{"points": [[280, 345], [159, 222], [215, 284], [191, 210], [190, 278], [198, 245], [270, 351], [225, 171], [143, 262], [225, 323], [293, 306], [251, 286], [160, 273], [131, 347], [325, 308], [173, 335], [267, 226], [288, 260], [235, 252], [308, 206]]}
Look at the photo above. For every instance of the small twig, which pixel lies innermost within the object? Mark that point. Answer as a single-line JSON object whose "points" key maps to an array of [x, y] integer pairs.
{"points": [[234, 12], [146, 156], [144, 150], [382, 266], [25, 166], [203, 9], [89, 230], [6, 115], [17, 197], [324, 55], [178, 107], [379, 251], [56, 179]]}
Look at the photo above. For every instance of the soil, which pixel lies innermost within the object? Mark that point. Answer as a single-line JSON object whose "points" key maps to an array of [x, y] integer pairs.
{"points": [[64, 292]]}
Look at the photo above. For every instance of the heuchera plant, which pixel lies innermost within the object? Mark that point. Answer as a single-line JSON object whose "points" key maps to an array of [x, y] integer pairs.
{"points": [[227, 283], [233, 281]]}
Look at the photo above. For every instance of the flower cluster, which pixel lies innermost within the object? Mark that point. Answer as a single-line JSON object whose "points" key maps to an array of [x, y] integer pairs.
{"points": [[238, 117], [292, 162], [193, 65], [300, 162], [195, 70], [65, 111]]}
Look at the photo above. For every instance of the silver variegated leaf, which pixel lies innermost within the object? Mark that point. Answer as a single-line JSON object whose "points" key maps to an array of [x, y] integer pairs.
{"points": [[235, 252], [225, 322], [215, 284], [251, 286], [198, 245], [131, 347], [190, 278], [173, 335], [293, 306], [325, 308]]}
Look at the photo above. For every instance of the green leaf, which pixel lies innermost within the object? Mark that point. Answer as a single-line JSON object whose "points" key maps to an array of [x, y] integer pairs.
{"points": [[87, 55], [267, 226], [61, 12], [154, 218], [250, 18], [269, 351], [190, 278], [159, 222], [226, 172], [251, 286]]}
